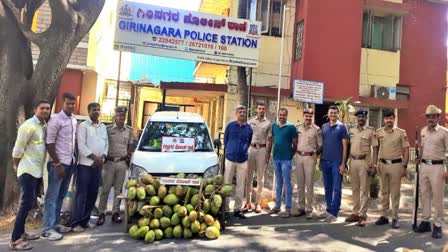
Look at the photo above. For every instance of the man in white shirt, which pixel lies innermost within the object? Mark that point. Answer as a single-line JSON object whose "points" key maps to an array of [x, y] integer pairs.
{"points": [[92, 146]]}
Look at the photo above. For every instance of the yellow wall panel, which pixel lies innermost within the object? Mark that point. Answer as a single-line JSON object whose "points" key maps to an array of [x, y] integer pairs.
{"points": [[379, 67]]}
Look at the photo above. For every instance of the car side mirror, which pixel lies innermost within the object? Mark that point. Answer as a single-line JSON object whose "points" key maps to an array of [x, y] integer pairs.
{"points": [[217, 143]]}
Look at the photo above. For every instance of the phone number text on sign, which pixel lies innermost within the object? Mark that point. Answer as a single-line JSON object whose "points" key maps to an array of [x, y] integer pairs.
{"points": [[175, 33]]}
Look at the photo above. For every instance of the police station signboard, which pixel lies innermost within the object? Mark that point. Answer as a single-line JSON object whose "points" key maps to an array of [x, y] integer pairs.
{"points": [[167, 32], [309, 91]]}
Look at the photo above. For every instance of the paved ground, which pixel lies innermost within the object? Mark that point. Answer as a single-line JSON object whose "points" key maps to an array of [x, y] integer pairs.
{"points": [[265, 233], [278, 235]]}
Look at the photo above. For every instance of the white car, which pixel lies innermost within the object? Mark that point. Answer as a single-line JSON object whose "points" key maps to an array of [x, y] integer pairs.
{"points": [[172, 143]]}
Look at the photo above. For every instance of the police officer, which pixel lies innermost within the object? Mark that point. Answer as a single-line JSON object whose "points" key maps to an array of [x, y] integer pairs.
{"points": [[114, 172], [393, 153], [258, 156], [308, 147], [432, 182], [362, 138]]}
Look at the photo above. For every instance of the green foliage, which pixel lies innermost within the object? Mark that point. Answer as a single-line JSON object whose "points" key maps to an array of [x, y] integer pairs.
{"points": [[345, 111]]}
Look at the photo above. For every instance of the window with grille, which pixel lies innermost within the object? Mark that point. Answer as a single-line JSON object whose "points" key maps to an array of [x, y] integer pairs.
{"points": [[109, 98], [270, 106], [269, 13], [299, 41]]}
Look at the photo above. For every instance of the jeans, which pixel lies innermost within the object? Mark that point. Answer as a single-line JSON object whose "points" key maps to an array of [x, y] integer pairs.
{"points": [[28, 185], [282, 169], [332, 185], [56, 191], [88, 180]]}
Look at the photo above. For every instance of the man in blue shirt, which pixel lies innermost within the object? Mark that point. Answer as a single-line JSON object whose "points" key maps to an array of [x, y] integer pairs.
{"points": [[333, 160], [237, 139], [284, 136]]}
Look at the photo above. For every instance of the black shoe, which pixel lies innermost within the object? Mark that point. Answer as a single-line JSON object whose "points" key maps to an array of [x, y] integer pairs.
{"points": [[424, 227], [382, 221], [299, 213], [101, 220], [395, 224], [116, 218], [437, 232], [239, 214]]}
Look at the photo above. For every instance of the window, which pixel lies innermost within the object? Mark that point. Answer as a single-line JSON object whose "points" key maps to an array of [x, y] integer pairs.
{"points": [[299, 41], [109, 97], [376, 116], [152, 136], [375, 119], [381, 32], [269, 13]]}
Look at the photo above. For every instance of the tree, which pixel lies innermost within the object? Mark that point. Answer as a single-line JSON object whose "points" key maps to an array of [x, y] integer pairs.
{"points": [[21, 82], [241, 71]]}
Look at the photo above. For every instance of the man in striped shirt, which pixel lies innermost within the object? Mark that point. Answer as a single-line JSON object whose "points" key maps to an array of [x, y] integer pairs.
{"points": [[29, 157]]}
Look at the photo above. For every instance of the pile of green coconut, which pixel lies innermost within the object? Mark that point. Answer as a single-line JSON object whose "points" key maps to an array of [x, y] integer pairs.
{"points": [[173, 211]]}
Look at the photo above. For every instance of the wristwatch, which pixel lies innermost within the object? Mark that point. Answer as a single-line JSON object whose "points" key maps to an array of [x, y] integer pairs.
{"points": [[405, 166]]}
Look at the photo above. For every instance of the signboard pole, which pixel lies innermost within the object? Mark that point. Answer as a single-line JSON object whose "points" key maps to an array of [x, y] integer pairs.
{"points": [[249, 95], [280, 79], [118, 79], [281, 59]]}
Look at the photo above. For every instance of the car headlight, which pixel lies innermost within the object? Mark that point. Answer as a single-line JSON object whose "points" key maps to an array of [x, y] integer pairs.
{"points": [[211, 172], [137, 171]]}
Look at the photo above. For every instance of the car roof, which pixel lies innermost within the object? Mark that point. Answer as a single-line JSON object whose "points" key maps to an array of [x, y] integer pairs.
{"points": [[172, 116], [81, 117]]}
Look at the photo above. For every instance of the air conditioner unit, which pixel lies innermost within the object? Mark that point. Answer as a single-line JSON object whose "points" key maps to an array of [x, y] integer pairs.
{"points": [[381, 92], [438, 1]]}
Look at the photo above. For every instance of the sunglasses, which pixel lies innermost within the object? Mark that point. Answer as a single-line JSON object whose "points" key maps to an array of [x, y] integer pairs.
{"points": [[432, 116]]}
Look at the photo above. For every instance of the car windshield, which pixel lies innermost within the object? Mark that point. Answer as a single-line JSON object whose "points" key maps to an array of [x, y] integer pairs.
{"points": [[155, 131]]}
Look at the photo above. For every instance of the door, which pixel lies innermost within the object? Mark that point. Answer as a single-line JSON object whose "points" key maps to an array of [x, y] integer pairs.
{"points": [[320, 115]]}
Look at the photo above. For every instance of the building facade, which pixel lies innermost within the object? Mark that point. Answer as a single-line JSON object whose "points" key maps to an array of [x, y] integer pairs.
{"points": [[383, 54], [264, 79]]}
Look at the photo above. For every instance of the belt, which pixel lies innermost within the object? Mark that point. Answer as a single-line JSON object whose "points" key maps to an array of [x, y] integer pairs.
{"points": [[432, 162], [360, 157], [391, 161], [258, 145], [304, 153], [116, 159]]}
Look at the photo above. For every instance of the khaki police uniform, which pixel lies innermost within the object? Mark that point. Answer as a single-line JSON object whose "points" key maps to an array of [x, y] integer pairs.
{"points": [[114, 170], [391, 144], [432, 182], [309, 142], [262, 130], [361, 141]]}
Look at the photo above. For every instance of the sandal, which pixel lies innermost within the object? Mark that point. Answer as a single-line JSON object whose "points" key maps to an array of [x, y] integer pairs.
{"points": [[29, 237], [20, 245]]}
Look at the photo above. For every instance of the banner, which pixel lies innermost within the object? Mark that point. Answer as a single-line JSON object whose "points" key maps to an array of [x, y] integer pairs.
{"points": [[173, 144], [309, 91], [167, 32], [179, 181]]}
